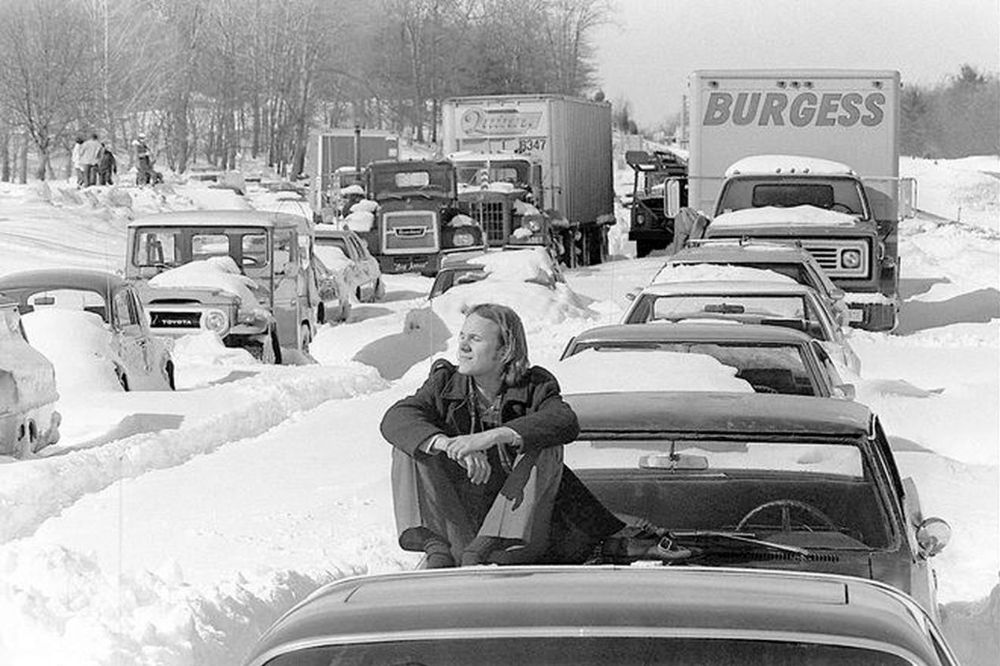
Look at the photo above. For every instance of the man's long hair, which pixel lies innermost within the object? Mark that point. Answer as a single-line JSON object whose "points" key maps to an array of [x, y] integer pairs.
{"points": [[513, 343]]}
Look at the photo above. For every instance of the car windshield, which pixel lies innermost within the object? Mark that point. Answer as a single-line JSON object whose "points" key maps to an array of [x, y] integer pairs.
{"points": [[838, 194], [774, 309], [768, 368], [784, 490], [176, 246], [325, 241], [583, 651]]}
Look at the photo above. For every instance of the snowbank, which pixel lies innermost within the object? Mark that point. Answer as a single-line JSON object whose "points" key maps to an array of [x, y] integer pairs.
{"points": [[593, 371], [79, 345]]}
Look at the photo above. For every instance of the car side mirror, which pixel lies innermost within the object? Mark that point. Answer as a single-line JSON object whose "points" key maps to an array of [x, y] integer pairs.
{"points": [[846, 391], [932, 536], [838, 294], [632, 294]]}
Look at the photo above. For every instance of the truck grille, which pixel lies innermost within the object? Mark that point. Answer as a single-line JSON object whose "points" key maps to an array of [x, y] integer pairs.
{"points": [[490, 216], [830, 255], [406, 232], [174, 320]]}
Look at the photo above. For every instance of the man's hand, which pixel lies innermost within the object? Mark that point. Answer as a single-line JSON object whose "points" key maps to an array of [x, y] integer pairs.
{"points": [[477, 467], [463, 445]]}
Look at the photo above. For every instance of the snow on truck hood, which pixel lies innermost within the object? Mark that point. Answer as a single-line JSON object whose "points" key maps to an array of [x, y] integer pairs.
{"points": [[788, 164], [212, 273], [773, 216]]}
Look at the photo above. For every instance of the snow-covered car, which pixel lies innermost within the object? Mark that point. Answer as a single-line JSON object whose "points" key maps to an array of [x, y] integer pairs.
{"points": [[604, 615], [533, 264], [139, 359], [362, 274], [28, 419], [253, 283], [777, 303], [334, 291], [785, 258], [758, 481], [771, 359]]}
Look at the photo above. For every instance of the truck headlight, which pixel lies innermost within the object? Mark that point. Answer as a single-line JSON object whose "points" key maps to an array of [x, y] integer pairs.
{"points": [[534, 226], [215, 321], [850, 258], [640, 220], [463, 240]]}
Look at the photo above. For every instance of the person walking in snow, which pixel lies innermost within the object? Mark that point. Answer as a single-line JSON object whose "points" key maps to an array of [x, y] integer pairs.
{"points": [[107, 166], [90, 152], [477, 460], [144, 161], [81, 176]]}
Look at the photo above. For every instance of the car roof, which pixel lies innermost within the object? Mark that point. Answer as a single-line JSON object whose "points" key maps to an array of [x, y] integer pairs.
{"points": [[603, 600], [693, 332], [219, 218], [724, 287], [62, 278], [725, 414]]}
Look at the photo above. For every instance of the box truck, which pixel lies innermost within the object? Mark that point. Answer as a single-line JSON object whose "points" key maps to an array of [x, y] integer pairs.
{"points": [[336, 159], [552, 156], [811, 157]]}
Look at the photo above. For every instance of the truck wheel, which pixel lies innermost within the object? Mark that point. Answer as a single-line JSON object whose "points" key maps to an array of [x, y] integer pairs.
{"points": [[122, 377], [170, 377], [268, 351]]}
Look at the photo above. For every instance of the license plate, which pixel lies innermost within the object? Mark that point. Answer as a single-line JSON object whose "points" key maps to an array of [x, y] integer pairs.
{"points": [[855, 315]]}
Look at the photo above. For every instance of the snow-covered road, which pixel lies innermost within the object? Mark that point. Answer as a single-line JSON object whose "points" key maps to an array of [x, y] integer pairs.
{"points": [[173, 528]]}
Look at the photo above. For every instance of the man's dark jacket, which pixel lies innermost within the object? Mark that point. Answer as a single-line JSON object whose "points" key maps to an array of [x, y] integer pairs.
{"points": [[534, 409]]}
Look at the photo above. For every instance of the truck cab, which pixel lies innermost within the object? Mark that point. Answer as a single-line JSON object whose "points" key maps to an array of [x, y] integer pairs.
{"points": [[824, 207], [659, 190], [416, 217], [269, 301], [502, 192]]}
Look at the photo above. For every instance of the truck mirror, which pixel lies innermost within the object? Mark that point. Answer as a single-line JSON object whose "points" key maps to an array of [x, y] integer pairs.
{"points": [[671, 197], [907, 197]]}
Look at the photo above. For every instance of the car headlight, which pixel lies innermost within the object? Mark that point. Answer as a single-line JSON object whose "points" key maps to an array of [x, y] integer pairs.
{"points": [[850, 258], [215, 321], [463, 240]]}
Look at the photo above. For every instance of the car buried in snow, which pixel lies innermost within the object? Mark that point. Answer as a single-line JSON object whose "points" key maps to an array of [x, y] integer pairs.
{"points": [[28, 419], [786, 304], [771, 359], [139, 359], [270, 300], [603, 615], [362, 273], [758, 481]]}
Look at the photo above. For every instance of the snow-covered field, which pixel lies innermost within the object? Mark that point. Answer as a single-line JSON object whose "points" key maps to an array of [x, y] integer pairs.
{"points": [[172, 528]]}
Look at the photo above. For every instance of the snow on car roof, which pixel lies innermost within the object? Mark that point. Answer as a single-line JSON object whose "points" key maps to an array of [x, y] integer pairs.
{"points": [[593, 371], [782, 217], [717, 273], [787, 164], [519, 265], [725, 287]]}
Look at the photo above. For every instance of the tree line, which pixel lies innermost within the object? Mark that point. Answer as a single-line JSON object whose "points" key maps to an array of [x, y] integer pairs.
{"points": [[214, 79], [955, 118]]}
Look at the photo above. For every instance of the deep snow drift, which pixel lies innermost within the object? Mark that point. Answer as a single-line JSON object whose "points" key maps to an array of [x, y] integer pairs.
{"points": [[172, 528]]}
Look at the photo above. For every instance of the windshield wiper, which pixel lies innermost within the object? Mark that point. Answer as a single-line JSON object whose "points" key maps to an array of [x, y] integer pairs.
{"points": [[697, 535]]}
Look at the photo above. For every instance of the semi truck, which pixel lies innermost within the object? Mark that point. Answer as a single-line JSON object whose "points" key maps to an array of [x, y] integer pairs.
{"points": [[336, 159], [557, 150], [809, 157], [416, 219], [659, 190]]}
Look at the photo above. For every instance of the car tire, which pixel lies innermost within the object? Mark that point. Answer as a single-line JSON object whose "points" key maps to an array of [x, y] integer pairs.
{"points": [[321, 314]]}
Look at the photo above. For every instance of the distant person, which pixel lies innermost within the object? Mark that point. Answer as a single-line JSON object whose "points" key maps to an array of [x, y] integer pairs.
{"points": [[107, 166], [90, 153], [81, 175], [144, 161]]}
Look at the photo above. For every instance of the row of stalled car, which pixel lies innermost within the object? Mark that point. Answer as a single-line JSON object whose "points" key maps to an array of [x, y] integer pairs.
{"points": [[218, 272], [788, 534]]}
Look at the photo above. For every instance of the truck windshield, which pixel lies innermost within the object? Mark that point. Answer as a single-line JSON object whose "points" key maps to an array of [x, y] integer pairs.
{"points": [[172, 247], [417, 180], [843, 195]]}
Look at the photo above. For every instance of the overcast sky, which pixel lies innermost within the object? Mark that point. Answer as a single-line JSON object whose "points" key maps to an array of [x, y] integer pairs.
{"points": [[647, 54]]}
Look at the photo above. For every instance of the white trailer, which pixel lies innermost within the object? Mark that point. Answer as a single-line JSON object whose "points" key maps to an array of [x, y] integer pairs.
{"points": [[568, 141]]}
